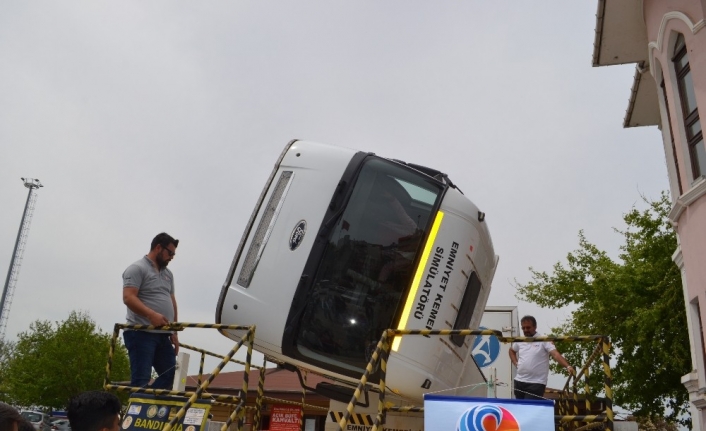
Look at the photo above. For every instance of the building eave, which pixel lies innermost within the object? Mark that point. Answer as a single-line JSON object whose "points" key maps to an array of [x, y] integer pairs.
{"points": [[643, 106], [620, 34]]}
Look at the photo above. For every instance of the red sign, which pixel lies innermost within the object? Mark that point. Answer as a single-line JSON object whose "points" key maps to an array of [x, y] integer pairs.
{"points": [[285, 418]]}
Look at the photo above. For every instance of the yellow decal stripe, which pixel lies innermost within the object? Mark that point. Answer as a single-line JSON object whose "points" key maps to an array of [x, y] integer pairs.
{"points": [[418, 278]]}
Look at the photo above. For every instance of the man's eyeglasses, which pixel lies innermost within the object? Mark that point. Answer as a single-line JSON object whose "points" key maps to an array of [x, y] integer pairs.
{"points": [[169, 252]]}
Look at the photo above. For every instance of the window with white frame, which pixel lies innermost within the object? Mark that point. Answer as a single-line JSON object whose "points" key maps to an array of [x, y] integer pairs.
{"points": [[690, 112], [671, 135]]}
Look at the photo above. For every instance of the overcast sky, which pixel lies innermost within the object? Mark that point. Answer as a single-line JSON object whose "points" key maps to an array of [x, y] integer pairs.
{"points": [[142, 117]]}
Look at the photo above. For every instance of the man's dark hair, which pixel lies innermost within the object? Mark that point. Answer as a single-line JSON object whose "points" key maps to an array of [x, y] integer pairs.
{"points": [[93, 411], [8, 416], [25, 425], [164, 240], [529, 319]]}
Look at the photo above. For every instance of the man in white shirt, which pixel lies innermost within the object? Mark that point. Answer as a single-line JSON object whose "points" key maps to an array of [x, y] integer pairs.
{"points": [[532, 362]]}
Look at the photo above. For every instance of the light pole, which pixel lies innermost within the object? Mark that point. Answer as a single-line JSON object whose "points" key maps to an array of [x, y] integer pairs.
{"points": [[14, 271]]}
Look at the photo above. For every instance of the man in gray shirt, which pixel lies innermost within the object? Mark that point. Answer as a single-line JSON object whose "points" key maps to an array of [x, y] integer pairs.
{"points": [[148, 293]]}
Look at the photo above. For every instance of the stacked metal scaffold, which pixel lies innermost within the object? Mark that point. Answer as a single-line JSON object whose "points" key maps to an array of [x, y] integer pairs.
{"points": [[568, 419]]}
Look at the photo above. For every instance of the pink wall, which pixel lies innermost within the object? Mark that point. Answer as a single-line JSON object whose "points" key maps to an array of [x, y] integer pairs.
{"points": [[692, 233], [654, 11], [692, 222]]}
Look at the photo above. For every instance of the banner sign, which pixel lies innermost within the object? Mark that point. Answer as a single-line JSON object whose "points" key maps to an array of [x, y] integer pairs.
{"points": [[285, 418], [151, 412], [487, 414]]}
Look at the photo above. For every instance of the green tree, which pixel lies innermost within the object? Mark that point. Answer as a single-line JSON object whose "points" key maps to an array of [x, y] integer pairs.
{"points": [[656, 423], [7, 349], [54, 362], [638, 301]]}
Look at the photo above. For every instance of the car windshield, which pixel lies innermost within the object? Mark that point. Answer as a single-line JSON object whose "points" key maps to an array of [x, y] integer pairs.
{"points": [[367, 266], [32, 416]]}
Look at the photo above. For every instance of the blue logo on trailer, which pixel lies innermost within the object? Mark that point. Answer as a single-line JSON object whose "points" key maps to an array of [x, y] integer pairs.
{"points": [[486, 349]]}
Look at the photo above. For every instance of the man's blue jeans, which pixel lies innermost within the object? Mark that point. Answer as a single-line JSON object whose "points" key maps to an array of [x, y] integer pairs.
{"points": [[147, 350]]}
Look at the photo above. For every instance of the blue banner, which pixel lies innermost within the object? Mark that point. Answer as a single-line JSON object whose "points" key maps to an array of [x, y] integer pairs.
{"points": [[487, 414]]}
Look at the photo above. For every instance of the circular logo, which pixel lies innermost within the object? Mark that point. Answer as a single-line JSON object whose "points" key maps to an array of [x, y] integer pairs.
{"points": [[162, 411], [486, 349], [297, 236], [127, 422], [190, 428], [151, 411], [487, 418]]}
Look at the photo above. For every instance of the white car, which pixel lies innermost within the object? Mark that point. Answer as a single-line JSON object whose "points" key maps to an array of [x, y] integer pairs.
{"points": [[38, 419], [60, 424]]}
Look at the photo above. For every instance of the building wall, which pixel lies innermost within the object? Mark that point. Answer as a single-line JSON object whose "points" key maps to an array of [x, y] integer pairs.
{"points": [[692, 233], [663, 24], [664, 20]]}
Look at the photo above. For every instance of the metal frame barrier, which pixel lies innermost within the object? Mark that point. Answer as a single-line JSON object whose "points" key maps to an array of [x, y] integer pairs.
{"points": [[239, 402], [564, 420], [218, 399], [380, 356]]}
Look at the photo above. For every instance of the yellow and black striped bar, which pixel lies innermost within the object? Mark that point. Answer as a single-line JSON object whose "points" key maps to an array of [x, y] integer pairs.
{"points": [[596, 352], [405, 409], [583, 373], [179, 326], [605, 344], [561, 407], [384, 356], [260, 394], [551, 338], [377, 423], [111, 353], [354, 418], [293, 403], [576, 398], [497, 333], [590, 426], [249, 336], [203, 359], [577, 418], [215, 355], [246, 374], [427, 332], [134, 389], [386, 335], [587, 390], [301, 412], [216, 403], [235, 414]]}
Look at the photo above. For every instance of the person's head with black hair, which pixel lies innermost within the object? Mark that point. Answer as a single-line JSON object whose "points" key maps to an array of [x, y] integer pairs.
{"points": [[25, 425], [162, 249], [9, 418], [165, 240], [94, 411]]}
